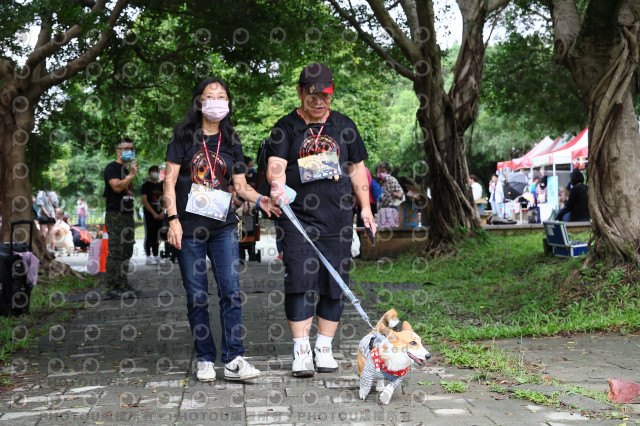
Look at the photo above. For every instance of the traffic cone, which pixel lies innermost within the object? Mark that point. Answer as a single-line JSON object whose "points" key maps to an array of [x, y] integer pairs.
{"points": [[104, 250]]}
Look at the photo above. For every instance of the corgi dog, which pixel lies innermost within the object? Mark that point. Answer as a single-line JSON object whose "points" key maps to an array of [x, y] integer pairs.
{"points": [[386, 354]]}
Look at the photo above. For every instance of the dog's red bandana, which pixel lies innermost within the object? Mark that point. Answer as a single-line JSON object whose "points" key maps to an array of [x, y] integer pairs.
{"points": [[379, 364]]}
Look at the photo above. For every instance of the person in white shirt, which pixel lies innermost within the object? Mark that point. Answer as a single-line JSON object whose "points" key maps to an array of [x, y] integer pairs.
{"points": [[496, 189], [476, 188]]}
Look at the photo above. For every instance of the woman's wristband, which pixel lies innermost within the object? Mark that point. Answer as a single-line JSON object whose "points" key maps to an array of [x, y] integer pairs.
{"points": [[170, 218], [258, 201]]}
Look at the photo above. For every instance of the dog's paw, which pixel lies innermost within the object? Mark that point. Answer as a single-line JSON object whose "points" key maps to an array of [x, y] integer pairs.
{"points": [[379, 388], [385, 396], [363, 393]]}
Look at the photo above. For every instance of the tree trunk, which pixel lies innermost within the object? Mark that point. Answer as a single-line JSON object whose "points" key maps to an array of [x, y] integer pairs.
{"points": [[614, 156], [16, 123], [444, 118], [451, 213], [603, 69]]}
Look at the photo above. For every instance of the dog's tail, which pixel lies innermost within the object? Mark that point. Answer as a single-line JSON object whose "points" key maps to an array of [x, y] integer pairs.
{"points": [[389, 319]]}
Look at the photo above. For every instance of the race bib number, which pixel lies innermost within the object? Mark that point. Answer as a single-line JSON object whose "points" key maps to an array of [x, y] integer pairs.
{"points": [[208, 202], [320, 166]]}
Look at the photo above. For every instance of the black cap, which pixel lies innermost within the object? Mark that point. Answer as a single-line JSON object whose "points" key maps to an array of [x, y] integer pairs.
{"points": [[316, 77]]}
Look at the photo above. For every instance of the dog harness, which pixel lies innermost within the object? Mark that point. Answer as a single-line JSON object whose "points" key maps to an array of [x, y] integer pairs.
{"points": [[380, 365]]}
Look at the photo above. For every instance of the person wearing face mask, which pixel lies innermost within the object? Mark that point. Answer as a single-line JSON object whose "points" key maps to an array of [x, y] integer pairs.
{"points": [[118, 193], [151, 195], [392, 197], [391, 190], [204, 163], [319, 153]]}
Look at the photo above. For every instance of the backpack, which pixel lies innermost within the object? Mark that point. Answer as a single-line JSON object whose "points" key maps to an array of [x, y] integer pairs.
{"points": [[376, 190]]}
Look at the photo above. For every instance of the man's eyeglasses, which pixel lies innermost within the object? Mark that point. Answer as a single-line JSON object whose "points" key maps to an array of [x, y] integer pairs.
{"points": [[320, 95], [214, 98]]}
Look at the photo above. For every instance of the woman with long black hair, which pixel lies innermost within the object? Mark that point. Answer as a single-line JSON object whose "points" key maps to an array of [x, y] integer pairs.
{"points": [[204, 159]]}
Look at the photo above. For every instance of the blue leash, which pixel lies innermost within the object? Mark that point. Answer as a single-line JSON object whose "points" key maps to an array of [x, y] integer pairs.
{"points": [[354, 300]]}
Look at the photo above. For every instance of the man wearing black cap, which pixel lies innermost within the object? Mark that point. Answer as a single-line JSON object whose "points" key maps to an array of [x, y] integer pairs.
{"points": [[319, 154]]}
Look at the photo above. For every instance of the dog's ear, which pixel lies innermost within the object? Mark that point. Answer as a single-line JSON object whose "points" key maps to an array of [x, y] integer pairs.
{"points": [[406, 326], [389, 334], [385, 330]]}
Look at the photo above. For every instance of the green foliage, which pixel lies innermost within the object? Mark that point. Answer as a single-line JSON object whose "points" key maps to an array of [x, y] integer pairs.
{"points": [[426, 383], [497, 388], [536, 397], [522, 81], [453, 387]]}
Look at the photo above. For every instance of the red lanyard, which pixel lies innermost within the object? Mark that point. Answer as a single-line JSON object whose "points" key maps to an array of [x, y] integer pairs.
{"points": [[206, 154], [315, 143]]}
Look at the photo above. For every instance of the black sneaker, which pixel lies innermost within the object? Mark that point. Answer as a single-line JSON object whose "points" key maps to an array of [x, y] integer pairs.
{"points": [[119, 293], [129, 288]]}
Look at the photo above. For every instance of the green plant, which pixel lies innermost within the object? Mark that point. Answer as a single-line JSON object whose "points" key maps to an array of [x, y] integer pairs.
{"points": [[453, 387], [497, 388], [426, 383], [537, 397]]}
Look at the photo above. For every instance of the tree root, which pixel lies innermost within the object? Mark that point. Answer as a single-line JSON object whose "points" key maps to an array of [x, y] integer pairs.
{"points": [[53, 268]]}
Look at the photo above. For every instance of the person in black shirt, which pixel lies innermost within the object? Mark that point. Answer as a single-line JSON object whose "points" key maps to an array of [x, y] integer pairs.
{"points": [[119, 218], [151, 195], [318, 153], [204, 158], [576, 209]]}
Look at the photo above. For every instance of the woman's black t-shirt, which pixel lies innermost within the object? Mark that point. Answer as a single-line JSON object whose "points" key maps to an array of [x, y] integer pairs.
{"points": [[326, 204], [194, 168], [153, 191]]}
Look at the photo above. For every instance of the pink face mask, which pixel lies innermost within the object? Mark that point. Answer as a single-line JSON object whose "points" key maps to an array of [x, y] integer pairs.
{"points": [[383, 175], [215, 109]]}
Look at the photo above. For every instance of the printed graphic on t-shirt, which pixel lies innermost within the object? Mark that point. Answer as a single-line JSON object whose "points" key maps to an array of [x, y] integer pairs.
{"points": [[318, 159], [200, 171], [325, 144]]}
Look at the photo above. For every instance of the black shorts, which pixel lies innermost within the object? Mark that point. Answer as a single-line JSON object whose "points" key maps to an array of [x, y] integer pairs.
{"points": [[303, 269], [45, 220]]}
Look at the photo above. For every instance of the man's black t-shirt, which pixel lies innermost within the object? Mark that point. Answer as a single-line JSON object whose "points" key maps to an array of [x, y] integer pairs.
{"points": [[121, 202], [153, 191], [194, 168], [326, 204]]}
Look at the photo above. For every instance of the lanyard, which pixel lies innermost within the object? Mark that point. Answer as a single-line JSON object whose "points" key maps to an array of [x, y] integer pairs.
{"points": [[206, 153], [315, 142]]}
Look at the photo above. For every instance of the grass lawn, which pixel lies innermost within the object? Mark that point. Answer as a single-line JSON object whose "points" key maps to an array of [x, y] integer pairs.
{"points": [[503, 287], [500, 287], [47, 309]]}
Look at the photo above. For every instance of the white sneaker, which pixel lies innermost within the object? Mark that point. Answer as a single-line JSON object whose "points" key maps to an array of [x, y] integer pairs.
{"points": [[157, 259], [303, 362], [324, 361], [151, 261], [206, 373], [240, 369]]}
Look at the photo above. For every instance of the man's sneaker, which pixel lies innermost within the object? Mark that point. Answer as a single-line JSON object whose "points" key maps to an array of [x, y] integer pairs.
{"points": [[119, 293], [303, 362], [323, 360], [206, 373], [240, 369], [151, 261], [157, 259], [128, 288]]}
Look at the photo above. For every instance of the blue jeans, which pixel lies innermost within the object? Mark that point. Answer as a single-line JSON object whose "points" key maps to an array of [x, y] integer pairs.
{"points": [[82, 221], [222, 250], [494, 210]]}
